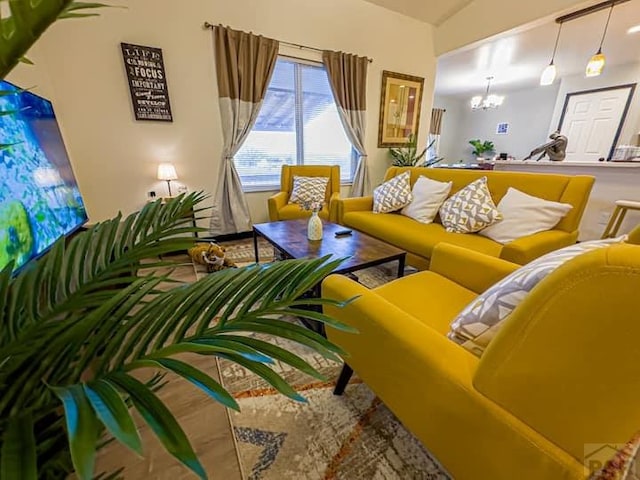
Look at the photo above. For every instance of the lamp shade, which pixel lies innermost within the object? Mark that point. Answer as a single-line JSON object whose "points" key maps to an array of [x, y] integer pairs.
{"points": [[595, 65], [167, 171], [548, 75]]}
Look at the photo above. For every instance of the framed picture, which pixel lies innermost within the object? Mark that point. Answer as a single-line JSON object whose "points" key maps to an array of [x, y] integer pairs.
{"points": [[502, 128], [401, 100]]}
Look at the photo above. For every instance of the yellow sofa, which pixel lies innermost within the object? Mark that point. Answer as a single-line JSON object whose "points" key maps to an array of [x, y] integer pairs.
{"points": [[279, 207], [419, 240], [562, 372]]}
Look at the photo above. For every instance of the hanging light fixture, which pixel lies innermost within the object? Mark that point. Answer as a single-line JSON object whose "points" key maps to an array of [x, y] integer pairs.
{"points": [[596, 64], [549, 74], [488, 101]]}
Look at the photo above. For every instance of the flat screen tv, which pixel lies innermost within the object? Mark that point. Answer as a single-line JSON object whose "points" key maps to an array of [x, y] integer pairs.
{"points": [[39, 199]]}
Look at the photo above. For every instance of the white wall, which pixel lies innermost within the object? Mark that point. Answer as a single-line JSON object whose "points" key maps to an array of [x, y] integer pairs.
{"points": [[612, 76], [115, 157], [528, 113]]}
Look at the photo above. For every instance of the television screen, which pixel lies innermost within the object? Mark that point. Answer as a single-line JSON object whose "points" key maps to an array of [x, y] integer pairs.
{"points": [[39, 199]]}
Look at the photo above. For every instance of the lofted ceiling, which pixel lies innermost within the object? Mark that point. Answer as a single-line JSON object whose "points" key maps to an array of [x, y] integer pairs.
{"points": [[517, 59], [431, 11]]}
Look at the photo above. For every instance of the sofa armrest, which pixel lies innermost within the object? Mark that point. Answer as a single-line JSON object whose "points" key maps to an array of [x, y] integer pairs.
{"points": [[333, 207], [525, 249], [276, 202], [384, 327], [472, 270], [357, 204]]}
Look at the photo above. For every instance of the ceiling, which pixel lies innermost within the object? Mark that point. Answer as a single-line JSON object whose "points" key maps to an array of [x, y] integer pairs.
{"points": [[432, 11], [516, 60]]}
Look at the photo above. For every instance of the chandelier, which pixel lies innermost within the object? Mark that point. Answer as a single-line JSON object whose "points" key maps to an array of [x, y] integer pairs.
{"points": [[488, 101]]}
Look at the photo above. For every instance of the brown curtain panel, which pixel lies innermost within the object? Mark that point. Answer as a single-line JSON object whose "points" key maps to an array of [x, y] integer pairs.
{"points": [[244, 65], [348, 78], [436, 121]]}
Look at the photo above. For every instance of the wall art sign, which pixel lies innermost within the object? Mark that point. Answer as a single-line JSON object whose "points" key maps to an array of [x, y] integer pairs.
{"points": [[502, 128], [147, 82]]}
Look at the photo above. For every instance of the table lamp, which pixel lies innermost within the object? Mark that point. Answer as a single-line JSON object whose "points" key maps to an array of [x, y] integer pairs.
{"points": [[167, 172]]}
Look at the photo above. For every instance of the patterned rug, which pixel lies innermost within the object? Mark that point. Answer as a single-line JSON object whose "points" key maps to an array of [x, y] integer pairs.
{"points": [[350, 437]]}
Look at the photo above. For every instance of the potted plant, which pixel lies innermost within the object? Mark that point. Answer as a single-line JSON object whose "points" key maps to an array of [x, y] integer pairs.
{"points": [[77, 325], [480, 148]]}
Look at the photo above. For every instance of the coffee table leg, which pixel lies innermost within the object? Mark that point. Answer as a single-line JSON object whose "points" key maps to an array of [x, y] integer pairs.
{"points": [[255, 246], [401, 262]]}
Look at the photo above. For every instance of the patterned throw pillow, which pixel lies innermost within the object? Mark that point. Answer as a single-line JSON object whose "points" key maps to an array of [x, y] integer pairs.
{"points": [[470, 210], [393, 195], [624, 464], [480, 321], [309, 190]]}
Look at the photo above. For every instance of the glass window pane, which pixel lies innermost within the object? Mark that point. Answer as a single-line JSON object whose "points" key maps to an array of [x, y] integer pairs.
{"points": [[325, 142], [272, 142]]}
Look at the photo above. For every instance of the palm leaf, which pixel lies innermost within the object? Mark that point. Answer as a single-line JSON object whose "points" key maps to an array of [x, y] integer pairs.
{"points": [[27, 21], [18, 456]]}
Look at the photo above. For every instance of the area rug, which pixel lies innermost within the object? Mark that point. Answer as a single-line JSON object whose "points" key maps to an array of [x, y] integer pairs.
{"points": [[350, 437]]}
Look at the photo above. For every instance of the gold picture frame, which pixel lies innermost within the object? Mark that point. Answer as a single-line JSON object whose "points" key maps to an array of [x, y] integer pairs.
{"points": [[400, 106]]}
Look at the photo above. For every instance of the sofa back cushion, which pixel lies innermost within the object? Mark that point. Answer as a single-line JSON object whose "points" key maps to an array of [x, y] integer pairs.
{"points": [[573, 190]]}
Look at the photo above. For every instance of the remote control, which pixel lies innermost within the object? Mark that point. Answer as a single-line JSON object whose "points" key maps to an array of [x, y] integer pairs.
{"points": [[343, 233]]}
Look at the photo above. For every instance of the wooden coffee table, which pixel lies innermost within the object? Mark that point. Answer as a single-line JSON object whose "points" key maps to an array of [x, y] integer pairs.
{"points": [[360, 250], [289, 237]]}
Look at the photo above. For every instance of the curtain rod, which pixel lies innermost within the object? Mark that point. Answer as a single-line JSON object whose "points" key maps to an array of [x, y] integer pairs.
{"points": [[210, 26]]}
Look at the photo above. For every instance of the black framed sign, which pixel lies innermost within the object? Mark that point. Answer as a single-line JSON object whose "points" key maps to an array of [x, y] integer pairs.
{"points": [[147, 82]]}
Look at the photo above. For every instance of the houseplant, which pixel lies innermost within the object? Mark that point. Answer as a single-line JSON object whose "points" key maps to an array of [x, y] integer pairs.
{"points": [[78, 325], [480, 147]]}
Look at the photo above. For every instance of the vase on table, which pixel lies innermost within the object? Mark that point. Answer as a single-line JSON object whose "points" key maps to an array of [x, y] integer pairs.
{"points": [[314, 228]]}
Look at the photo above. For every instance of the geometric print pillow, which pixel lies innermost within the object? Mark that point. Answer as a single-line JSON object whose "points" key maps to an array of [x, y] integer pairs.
{"points": [[308, 189], [480, 321], [470, 210], [393, 195]]}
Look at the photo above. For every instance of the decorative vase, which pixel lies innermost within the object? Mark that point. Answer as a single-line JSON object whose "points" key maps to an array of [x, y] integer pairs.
{"points": [[314, 229]]}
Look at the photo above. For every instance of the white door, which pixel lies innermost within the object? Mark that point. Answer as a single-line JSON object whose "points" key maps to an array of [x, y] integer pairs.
{"points": [[591, 122]]}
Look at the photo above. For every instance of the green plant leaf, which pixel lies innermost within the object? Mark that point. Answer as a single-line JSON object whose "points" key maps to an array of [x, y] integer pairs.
{"points": [[82, 428], [113, 413], [195, 376], [18, 457], [161, 421]]}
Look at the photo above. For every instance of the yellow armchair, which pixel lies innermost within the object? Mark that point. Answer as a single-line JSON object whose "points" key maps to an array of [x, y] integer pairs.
{"points": [[561, 373], [279, 207]]}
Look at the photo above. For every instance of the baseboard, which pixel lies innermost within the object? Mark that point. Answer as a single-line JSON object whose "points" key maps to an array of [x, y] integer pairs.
{"points": [[227, 238]]}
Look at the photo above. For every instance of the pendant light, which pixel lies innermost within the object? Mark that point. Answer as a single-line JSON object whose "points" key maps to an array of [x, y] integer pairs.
{"points": [[549, 74], [596, 64], [488, 101]]}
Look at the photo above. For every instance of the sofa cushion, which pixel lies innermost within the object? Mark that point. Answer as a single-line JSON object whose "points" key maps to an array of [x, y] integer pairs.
{"points": [[470, 210], [428, 197], [481, 320], [393, 194], [429, 297], [307, 190], [524, 215], [415, 237], [294, 211]]}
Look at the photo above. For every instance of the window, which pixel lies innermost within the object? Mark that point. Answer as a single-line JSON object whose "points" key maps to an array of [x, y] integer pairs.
{"points": [[297, 125]]}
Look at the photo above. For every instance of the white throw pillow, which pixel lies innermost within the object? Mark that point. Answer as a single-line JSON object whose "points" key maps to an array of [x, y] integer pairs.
{"points": [[524, 215], [428, 197], [480, 321], [393, 195], [470, 210]]}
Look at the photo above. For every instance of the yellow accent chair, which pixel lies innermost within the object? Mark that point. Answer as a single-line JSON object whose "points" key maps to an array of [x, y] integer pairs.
{"points": [[279, 207], [419, 240], [562, 372]]}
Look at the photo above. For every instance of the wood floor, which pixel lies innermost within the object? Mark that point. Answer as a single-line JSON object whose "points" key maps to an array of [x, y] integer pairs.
{"points": [[205, 422]]}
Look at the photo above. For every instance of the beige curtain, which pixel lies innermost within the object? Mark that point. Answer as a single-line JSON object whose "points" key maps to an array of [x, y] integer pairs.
{"points": [[435, 132], [348, 78], [244, 65]]}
